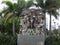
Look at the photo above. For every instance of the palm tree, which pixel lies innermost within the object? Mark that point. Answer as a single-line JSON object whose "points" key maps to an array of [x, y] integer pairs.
{"points": [[1, 20], [9, 13], [49, 6], [15, 9]]}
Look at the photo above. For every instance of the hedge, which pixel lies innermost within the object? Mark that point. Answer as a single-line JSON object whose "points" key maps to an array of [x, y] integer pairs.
{"points": [[7, 39], [52, 40]]}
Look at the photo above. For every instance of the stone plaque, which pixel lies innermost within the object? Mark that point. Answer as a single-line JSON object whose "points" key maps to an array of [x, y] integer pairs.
{"points": [[30, 39]]}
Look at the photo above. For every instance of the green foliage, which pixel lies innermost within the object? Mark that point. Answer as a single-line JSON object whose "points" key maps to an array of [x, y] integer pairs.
{"points": [[40, 3], [49, 6], [6, 27], [13, 10], [25, 4], [28, 3], [52, 40], [8, 39], [10, 5]]}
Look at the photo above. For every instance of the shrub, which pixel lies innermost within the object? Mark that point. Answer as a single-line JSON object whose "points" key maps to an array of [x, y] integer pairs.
{"points": [[7, 39], [52, 40]]}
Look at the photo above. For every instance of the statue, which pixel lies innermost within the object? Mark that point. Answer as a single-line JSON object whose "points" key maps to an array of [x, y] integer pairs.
{"points": [[32, 22]]}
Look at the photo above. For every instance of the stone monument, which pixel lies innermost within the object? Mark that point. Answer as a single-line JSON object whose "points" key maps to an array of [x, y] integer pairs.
{"points": [[32, 23]]}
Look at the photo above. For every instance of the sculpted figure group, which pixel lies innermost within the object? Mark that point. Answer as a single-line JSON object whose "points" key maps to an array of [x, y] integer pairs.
{"points": [[31, 24]]}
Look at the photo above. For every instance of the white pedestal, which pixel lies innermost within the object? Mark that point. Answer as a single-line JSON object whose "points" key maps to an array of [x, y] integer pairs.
{"points": [[30, 39]]}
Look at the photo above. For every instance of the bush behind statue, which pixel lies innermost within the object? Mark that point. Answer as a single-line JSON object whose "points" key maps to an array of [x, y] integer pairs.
{"points": [[52, 40], [7, 39]]}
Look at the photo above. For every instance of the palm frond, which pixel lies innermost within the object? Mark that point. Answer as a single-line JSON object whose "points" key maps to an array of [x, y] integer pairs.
{"points": [[6, 11], [54, 13], [40, 3], [51, 3], [21, 4], [9, 4], [0, 13], [15, 5], [28, 3], [8, 17]]}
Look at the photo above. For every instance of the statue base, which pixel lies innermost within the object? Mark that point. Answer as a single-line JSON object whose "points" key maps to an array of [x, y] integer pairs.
{"points": [[30, 39]]}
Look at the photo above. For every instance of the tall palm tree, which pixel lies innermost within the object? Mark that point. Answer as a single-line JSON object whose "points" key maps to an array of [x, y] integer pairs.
{"points": [[9, 12], [49, 6], [15, 9]]}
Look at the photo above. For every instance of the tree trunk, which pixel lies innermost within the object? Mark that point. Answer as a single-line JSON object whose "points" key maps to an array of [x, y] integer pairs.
{"points": [[44, 27], [50, 26], [13, 23], [13, 26]]}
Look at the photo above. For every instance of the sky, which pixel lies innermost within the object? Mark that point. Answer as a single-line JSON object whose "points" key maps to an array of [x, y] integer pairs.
{"points": [[2, 6]]}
